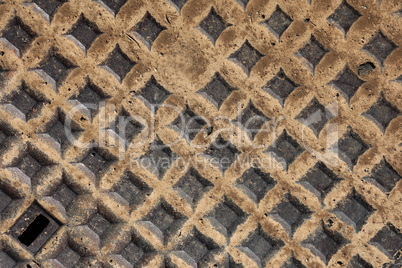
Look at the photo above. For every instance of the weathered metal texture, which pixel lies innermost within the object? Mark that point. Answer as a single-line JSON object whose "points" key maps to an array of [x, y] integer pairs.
{"points": [[310, 68]]}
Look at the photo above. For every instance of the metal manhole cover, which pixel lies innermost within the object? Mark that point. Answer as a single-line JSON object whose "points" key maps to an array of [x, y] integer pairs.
{"points": [[193, 133]]}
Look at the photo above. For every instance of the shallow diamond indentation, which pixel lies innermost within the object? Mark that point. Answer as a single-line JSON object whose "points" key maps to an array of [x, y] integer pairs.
{"points": [[315, 116], [188, 124], [49, 7], [159, 154], [118, 63], [226, 217], [84, 32], [19, 35], [222, 153], [380, 46], [54, 68], [99, 224], [351, 147], [213, 25], [382, 112], [217, 90], [313, 52], [6, 259], [64, 195], [285, 149], [27, 102], [246, 57], [354, 210], [113, 6], [132, 189], [179, 3], [325, 243], [319, 180], [31, 163], [278, 22], [126, 126], [293, 263], [192, 186], [384, 176], [147, 30], [388, 240], [359, 262], [165, 221], [260, 246], [344, 16], [347, 83], [290, 213], [91, 96], [98, 161], [153, 94], [68, 257], [256, 183], [137, 251], [280, 87], [199, 248], [252, 119]]}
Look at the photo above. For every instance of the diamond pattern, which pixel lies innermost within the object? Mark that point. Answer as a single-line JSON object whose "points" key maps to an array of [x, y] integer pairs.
{"points": [[278, 22], [354, 210], [226, 217], [213, 25], [384, 176], [19, 35], [147, 30], [347, 83], [388, 240], [324, 243], [217, 91], [382, 113], [291, 214], [380, 46], [5, 200], [315, 116], [192, 186], [344, 16], [255, 183], [132, 189], [85, 32], [223, 153], [188, 124], [320, 180], [118, 64], [351, 147], [158, 158], [313, 52], [153, 94], [285, 149], [246, 56], [260, 246], [280, 87], [166, 219], [293, 263]]}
